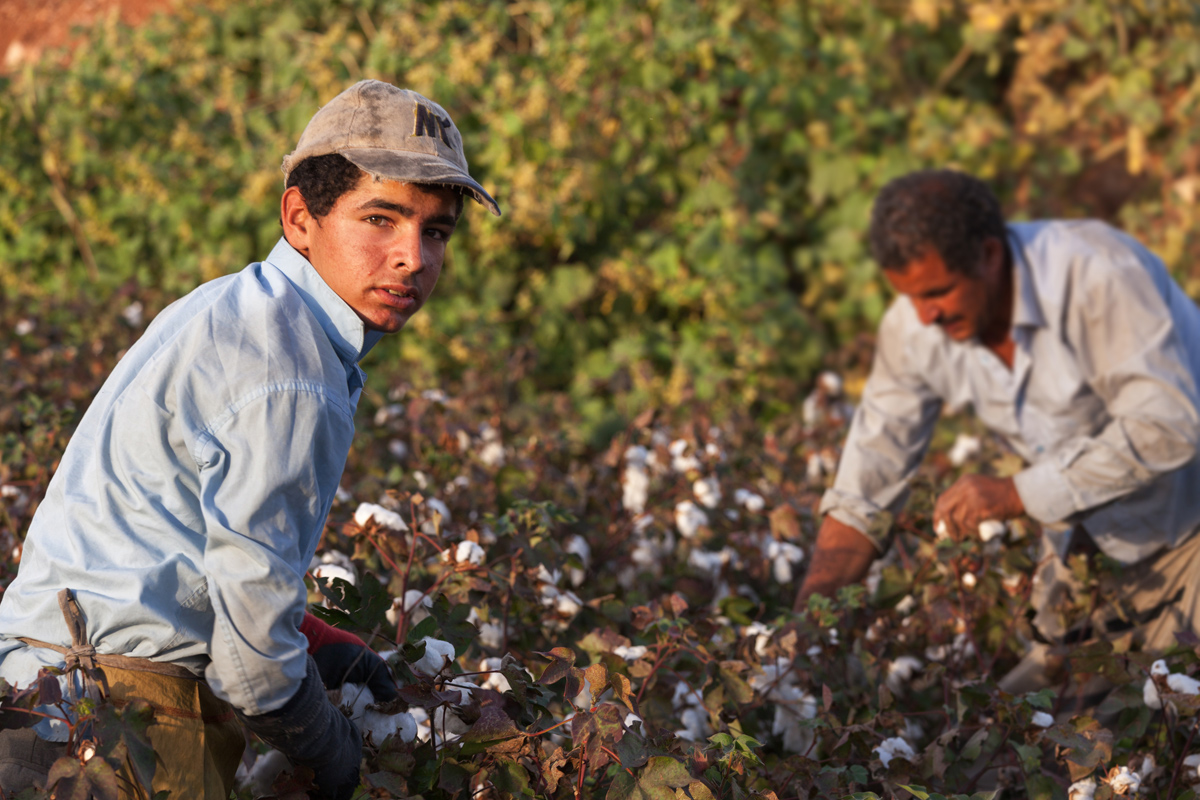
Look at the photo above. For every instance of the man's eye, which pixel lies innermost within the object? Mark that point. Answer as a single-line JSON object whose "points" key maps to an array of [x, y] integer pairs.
{"points": [[437, 233], [375, 219]]}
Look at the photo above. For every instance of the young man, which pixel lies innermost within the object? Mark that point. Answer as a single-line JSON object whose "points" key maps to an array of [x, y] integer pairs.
{"points": [[169, 554], [1071, 341]]}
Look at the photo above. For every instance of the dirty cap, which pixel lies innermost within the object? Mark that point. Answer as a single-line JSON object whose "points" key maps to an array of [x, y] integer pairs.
{"points": [[391, 134]]}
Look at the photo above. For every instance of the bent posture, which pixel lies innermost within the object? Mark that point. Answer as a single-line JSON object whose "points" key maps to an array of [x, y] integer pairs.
{"points": [[168, 556], [1071, 341]]}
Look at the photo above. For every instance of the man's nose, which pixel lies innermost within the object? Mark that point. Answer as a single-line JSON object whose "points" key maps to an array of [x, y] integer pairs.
{"points": [[408, 251]]}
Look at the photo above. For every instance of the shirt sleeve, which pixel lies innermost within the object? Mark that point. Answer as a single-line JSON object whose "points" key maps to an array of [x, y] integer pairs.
{"points": [[1119, 324], [269, 472], [889, 434]]}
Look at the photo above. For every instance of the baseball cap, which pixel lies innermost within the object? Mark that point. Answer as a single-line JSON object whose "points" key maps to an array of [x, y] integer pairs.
{"points": [[391, 134]]}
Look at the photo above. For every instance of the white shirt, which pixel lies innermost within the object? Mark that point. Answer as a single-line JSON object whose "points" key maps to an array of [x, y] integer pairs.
{"points": [[1101, 401]]}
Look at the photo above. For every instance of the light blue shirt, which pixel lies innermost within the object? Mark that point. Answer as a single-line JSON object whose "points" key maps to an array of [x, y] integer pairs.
{"points": [[190, 499], [1101, 401]]}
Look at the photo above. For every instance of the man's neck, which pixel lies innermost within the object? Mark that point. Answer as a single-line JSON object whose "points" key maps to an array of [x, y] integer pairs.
{"points": [[998, 337]]}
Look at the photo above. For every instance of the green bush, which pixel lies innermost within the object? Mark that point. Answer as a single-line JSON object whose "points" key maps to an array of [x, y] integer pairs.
{"points": [[686, 184]]}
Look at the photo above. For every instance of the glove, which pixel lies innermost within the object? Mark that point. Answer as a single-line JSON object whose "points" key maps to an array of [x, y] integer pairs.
{"points": [[342, 657], [312, 733]]}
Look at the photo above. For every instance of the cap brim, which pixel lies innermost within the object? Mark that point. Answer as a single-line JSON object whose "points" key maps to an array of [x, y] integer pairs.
{"points": [[411, 167]]}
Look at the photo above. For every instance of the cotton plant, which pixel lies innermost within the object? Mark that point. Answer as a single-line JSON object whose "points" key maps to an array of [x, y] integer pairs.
{"points": [[681, 460], [689, 518], [826, 404], [894, 748], [751, 501], [384, 517], [776, 683], [965, 448], [578, 546], [1163, 681], [784, 557], [415, 604], [465, 552], [689, 705], [901, 671], [707, 491], [491, 451], [635, 480]]}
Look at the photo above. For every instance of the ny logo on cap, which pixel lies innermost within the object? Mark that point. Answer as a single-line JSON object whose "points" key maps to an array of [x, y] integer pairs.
{"points": [[430, 124]]}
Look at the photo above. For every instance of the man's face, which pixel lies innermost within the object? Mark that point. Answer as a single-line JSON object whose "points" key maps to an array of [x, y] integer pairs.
{"points": [[964, 306], [380, 248]]}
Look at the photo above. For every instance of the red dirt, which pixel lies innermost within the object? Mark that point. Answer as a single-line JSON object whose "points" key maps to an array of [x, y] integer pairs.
{"points": [[27, 27]]}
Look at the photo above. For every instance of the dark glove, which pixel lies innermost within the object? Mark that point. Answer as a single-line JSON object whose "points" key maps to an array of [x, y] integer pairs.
{"points": [[344, 658], [312, 733]]}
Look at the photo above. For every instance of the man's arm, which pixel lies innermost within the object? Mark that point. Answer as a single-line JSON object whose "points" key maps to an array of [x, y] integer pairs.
{"points": [[1133, 357], [888, 437], [268, 475]]}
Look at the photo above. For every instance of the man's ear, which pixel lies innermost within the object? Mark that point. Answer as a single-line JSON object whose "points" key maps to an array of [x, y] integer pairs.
{"points": [[298, 223], [995, 257]]}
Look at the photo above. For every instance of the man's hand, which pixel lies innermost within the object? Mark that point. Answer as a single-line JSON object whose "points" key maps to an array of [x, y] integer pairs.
{"points": [[842, 556], [342, 657], [973, 499]]}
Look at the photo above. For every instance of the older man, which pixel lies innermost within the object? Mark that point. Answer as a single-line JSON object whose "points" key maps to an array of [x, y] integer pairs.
{"points": [[1071, 341]]}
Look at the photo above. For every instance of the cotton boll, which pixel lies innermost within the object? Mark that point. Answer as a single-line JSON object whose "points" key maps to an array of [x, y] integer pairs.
{"points": [[547, 575], [355, 699], [680, 462], [1123, 781], [630, 652], [132, 314], [1042, 719], [568, 603], [965, 448], [748, 500], [380, 726], [695, 724], [991, 529], [632, 719], [689, 518], [1183, 684], [783, 555], [398, 449], [492, 454], [466, 552], [901, 671], [941, 530], [267, 768], [969, 580], [1192, 768], [707, 491], [435, 508], [907, 605], [1160, 668], [386, 414], [491, 635], [437, 655], [578, 546], [415, 602], [1082, 790], [383, 517], [24, 327], [893, 748]]}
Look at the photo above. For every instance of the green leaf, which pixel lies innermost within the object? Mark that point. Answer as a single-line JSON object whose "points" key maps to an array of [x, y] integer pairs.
{"points": [[916, 791]]}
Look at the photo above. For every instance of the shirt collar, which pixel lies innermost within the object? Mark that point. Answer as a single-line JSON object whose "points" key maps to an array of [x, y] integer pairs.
{"points": [[343, 327], [1027, 311]]}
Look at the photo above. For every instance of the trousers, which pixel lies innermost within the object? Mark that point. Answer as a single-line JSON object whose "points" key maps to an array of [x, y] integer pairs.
{"points": [[1145, 604], [197, 740]]}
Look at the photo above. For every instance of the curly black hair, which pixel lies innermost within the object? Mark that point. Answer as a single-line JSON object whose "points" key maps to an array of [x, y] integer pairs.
{"points": [[950, 211], [324, 179]]}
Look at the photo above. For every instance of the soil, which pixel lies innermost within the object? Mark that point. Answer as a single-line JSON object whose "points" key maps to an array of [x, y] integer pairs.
{"points": [[29, 27]]}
